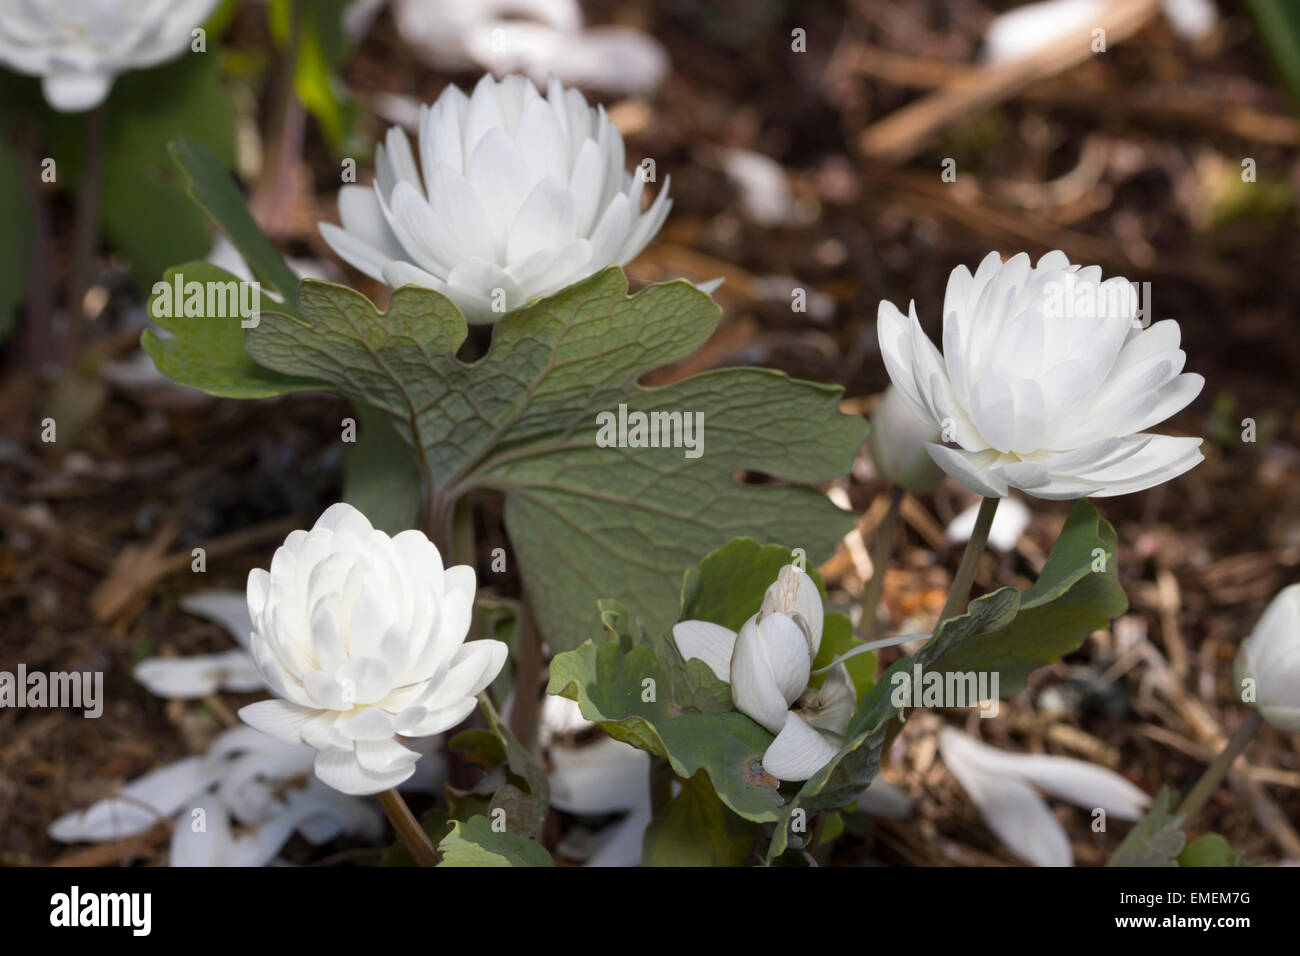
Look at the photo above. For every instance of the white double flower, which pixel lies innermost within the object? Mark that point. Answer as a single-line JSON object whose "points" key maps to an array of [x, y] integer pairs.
{"points": [[768, 665], [1046, 382], [509, 196], [362, 636]]}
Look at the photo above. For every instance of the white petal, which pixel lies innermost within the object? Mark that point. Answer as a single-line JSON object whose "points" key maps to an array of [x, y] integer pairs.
{"points": [[278, 718], [606, 776], [74, 92], [342, 771], [769, 669], [384, 756], [186, 678], [798, 751], [361, 256], [971, 469], [709, 642], [1011, 809], [145, 801], [546, 220], [795, 592], [228, 608], [1081, 783]]}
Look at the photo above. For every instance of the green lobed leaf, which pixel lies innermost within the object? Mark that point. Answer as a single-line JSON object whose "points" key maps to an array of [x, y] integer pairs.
{"points": [[475, 843], [626, 692], [1157, 839], [1067, 603], [586, 522], [380, 479], [695, 829], [207, 352]]}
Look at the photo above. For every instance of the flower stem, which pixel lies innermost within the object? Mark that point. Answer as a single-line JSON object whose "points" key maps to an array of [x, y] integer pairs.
{"points": [[408, 828], [880, 551], [528, 675], [86, 235], [435, 518], [1218, 769], [965, 576]]}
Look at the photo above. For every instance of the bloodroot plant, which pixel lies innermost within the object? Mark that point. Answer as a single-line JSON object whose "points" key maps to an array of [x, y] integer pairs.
{"points": [[681, 603], [517, 214]]}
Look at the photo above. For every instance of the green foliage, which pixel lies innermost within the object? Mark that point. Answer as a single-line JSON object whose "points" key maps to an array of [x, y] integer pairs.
{"points": [[144, 217], [1157, 839], [695, 829], [627, 693], [515, 792], [517, 783], [212, 189], [379, 477], [1068, 602], [207, 352], [144, 214], [1210, 849], [1279, 28], [586, 522], [475, 843], [321, 49]]}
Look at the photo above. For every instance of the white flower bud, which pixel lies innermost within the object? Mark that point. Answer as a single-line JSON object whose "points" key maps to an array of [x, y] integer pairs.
{"points": [[795, 593], [1270, 658], [897, 442], [769, 668]]}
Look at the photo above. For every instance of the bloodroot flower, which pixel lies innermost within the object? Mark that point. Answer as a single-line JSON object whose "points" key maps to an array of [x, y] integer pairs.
{"points": [[363, 638], [1046, 383], [78, 47], [513, 196]]}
